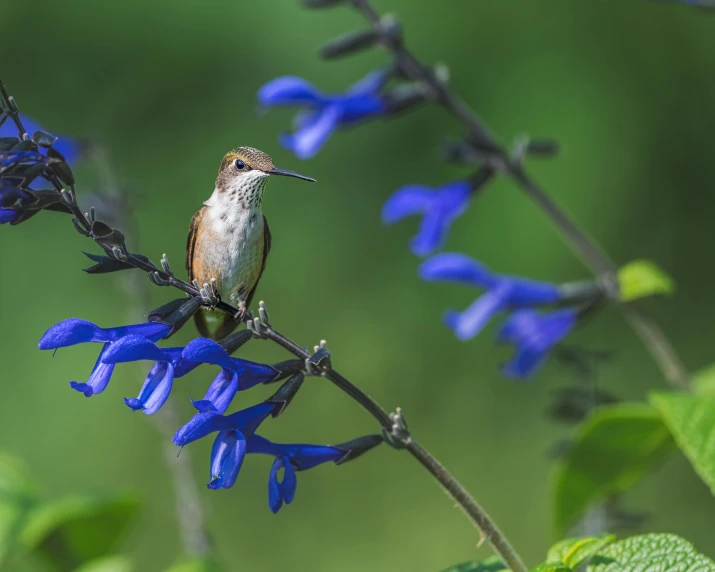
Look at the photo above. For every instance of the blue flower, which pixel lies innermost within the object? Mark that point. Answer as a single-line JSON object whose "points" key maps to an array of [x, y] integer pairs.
{"points": [[503, 292], [157, 386], [534, 334], [236, 374], [324, 113], [8, 215], [75, 331], [70, 150], [236, 437], [438, 207]]}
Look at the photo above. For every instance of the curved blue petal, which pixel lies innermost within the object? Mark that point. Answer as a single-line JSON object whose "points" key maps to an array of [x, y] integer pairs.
{"points": [[98, 379], [75, 331], [203, 350], [275, 494], [134, 348], [455, 267], [288, 90], [199, 426], [249, 419], [371, 84], [302, 456], [221, 391], [313, 134], [524, 364], [525, 292], [70, 332], [534, 334], [290, 481], [11, 193], [156, 389], [407, 201], [227, 455], [8, 215], [472, 321], [204, 406], [432, 234], [251, 373]]}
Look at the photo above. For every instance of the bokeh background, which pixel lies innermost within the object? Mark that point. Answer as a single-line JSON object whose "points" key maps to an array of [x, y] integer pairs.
{"points": [[626, 87]]}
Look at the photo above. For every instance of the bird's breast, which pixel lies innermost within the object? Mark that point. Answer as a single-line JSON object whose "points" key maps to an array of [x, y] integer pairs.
{"points": [[230, 249]]}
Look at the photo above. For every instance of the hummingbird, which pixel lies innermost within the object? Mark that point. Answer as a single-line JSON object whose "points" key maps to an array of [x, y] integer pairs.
{"points": [[229, 239]]}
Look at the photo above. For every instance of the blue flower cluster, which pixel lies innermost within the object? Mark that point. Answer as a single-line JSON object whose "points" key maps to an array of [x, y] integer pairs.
{"points": [[235, 433], [18, 158], [531, 331]]}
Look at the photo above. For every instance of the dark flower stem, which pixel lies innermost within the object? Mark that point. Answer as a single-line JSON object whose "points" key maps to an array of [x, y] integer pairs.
{"points": [[487, 527], [659, 346]]}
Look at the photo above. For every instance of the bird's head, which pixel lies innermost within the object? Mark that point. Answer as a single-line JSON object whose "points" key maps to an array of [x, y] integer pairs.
{"points": [[246, 167]]}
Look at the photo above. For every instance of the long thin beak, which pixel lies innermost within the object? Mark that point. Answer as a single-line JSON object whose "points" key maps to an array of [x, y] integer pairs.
{"points": [[287, 173]]}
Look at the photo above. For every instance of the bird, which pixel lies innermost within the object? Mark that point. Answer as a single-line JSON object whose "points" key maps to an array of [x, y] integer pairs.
{"points": [[229, 238]]}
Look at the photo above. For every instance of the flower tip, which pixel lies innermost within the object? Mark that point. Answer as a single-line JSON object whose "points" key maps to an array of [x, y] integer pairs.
{"points": [[204, 406], [133, 403], [84, 388], [215, 484]]}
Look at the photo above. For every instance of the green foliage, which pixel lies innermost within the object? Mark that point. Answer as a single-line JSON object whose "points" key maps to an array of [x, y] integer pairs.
{"points": [[691, 419], [108, 564], [573, 552], [651, 552], [642, 278], [84, 526], [493, 564], [704, 381], [64, 532], [614, 448]]}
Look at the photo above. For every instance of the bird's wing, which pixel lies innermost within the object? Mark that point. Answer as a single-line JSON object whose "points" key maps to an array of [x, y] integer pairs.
{"points": [[266, 250], [191, 240]]}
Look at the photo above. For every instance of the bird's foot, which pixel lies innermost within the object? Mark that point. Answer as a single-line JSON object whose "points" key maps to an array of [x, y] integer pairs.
{"points": [[209, 293]]}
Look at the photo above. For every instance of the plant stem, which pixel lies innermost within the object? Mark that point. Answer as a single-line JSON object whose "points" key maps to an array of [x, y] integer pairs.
{"points": [[464, 500], [487, 527], [661, 349]]}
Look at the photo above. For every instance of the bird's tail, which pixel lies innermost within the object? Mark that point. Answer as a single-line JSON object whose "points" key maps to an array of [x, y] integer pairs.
{"points": [[226, 325]]}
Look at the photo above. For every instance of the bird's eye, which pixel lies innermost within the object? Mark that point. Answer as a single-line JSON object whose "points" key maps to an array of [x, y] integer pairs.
{"points": [[240, 164]]}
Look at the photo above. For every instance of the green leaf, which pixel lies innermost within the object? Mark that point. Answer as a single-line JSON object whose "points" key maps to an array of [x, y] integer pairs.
{"points": [[614, 448], [78, 528], [651, 552], [493, 564], [642, 278], [573, 552], [691, 418], [109, 564], [704, 381]]}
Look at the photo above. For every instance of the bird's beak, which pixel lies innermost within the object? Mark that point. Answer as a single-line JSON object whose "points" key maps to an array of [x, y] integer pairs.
{"points": [[287, 173]]}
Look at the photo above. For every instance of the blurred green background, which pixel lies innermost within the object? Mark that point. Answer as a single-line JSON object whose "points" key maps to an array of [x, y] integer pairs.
{"points": [[626, 87]]}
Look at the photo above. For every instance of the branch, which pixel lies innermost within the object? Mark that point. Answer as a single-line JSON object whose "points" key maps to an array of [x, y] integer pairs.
{"points": [[659, 346]]}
